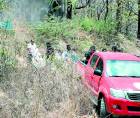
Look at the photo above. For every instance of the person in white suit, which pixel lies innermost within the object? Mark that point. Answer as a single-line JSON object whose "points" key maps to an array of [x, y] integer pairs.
{"points": [[34, 55]]}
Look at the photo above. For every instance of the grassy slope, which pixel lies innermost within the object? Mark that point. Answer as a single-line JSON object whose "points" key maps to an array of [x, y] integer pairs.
{"points": [[81, 33], [53, 91]]}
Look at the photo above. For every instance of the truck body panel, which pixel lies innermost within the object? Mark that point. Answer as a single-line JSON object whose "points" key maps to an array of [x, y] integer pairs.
{"points": [[104, 84]]}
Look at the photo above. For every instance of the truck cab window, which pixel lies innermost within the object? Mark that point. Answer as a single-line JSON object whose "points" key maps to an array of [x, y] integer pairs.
{"points": [[100, 65], [93, 60]]}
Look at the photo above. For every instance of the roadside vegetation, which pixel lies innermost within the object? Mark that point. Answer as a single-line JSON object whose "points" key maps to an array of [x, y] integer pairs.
{"points": [[55, 91]]}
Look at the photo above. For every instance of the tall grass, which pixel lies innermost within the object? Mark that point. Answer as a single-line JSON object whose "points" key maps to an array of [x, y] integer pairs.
{"points": [[51, 92]]}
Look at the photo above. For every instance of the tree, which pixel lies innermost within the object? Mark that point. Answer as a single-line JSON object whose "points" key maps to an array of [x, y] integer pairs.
{"points": [[119, 15], [128, 15], [107, 9], [138, 34], [56, 8], [69, 9]]}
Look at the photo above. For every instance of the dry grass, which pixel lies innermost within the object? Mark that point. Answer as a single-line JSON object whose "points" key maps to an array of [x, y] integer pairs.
{"points": [[51, 92]]}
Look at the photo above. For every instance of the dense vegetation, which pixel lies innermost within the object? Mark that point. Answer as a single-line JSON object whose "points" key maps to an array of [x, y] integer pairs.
{"points": [[56, 90]]}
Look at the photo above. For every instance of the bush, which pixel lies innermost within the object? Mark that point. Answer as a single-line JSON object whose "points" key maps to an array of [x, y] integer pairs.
{"points": [[55, 29], [7, 62], [87, 24], [100, 26]]}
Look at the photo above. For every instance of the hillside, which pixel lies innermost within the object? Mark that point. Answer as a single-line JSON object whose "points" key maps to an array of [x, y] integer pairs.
{"points": [[55, 90]]}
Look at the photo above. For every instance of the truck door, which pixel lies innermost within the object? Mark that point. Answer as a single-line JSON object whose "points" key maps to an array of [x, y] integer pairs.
{"points": [[89, 69], [97, 74]]}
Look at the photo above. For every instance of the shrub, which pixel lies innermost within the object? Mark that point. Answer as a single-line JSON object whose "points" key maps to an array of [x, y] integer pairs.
{"points": [[55, 29], [87, 24], [100, 26], [7, 62]]}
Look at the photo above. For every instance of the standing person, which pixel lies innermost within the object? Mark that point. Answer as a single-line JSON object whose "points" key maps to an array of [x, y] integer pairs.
{"points": [[58, 54], [114, 48], [49, 50], [87, 57], [66, 54], [92, 50], [29, 57], [34, 55], [74, 56], [32, 50]]}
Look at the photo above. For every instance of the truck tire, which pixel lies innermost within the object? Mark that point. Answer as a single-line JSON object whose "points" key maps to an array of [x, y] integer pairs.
{"points": [[102, 109]]}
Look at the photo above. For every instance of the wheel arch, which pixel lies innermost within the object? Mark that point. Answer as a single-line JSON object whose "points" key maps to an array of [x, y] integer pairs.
{"points": [[102, 95]]}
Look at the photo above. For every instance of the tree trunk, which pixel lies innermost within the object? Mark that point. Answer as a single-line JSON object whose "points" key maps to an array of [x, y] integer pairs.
{"points": [[56, 8], [107, 9], [128, 21], [69, 9], [119, 15], [138, 34]]}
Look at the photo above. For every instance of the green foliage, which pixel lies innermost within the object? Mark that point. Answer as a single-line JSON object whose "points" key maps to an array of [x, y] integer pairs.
{"points": [[56, 28], [68, 28], [3, 5], [71, 30], [6, 58], [100, 26], [84, 44], [74, 2], [87, 24], [7, 63]]}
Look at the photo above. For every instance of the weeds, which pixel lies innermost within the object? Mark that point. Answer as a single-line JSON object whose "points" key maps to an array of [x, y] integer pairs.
{"points": [[51, 92]]}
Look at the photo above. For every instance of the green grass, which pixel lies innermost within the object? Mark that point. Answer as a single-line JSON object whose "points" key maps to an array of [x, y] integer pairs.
{"points": [[100, 26]]}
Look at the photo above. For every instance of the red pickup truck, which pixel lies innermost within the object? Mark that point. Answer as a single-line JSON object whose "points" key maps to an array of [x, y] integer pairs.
{"points": [[114, 81]]}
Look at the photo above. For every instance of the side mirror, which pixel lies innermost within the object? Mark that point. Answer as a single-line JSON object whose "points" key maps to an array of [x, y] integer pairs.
{"points": [[98, 72]]}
